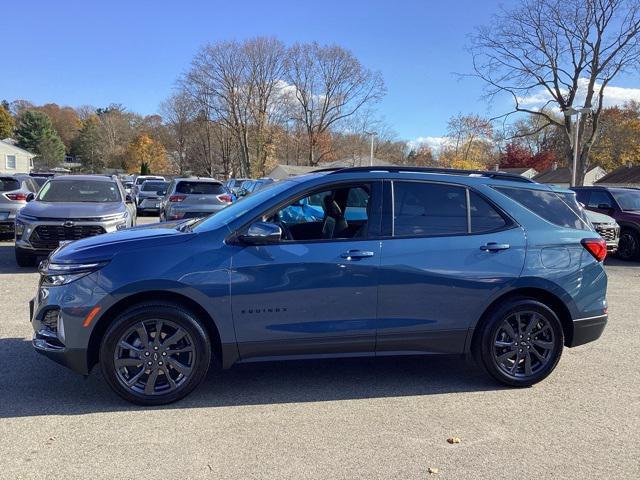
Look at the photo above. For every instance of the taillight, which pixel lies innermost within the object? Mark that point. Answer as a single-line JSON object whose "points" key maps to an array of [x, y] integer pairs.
{"points": [[18, 197], [596, 247], [224, 198], [177, 198]]}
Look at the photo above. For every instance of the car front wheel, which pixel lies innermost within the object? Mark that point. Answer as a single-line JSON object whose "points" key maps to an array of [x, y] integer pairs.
{"points": [[629, 246], [154, 354], [520, 343]]}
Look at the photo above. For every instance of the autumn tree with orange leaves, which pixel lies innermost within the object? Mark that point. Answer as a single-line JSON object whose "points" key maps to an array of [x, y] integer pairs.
{"points": [[145, 155]]}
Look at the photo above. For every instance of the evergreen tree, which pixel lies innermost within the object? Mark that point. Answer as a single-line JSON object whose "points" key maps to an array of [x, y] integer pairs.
{"points": [[36, 134]]}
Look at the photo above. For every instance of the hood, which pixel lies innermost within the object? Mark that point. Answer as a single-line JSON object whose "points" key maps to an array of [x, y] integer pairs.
{"points": [[74, 210], [105, 246], [596, 217]]}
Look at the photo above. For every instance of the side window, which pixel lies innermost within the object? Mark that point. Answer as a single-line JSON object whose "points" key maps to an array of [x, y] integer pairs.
{"points": [[484, 218], [598, 199], [428, 209], [547, 205], [339, 213]]}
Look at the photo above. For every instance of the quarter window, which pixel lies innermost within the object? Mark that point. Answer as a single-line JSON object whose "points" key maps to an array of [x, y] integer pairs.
{"points": [[428, 209], [547, 205]]}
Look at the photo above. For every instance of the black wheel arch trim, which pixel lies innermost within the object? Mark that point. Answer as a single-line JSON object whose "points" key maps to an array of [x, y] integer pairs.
{"points": [[224, 343]]}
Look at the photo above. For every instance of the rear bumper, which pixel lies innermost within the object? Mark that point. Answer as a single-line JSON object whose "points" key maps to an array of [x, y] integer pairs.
{"points": [[7, 227], [587, 330]]}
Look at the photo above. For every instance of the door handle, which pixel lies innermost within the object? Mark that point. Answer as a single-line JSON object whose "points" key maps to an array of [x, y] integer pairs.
{"points": [[356, 254], [494, 247]]}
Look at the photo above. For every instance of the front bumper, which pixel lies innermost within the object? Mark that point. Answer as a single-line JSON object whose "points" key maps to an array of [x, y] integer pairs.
{"points": [[587, 330], [27, 241]]}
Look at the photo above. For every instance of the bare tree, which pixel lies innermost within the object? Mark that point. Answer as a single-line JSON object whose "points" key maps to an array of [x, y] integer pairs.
{"points": [[329, 84], [217, 81], [179, 113], [566, 50]]}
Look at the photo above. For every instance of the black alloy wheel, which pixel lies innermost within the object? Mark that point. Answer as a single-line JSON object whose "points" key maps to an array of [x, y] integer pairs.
{"points": [[520, 342], [629, 245], [155, 354]]}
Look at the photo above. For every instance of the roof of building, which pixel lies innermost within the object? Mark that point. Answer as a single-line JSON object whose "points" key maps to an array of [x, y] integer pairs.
{"points": [[295, 169], [10, 143], [623, 175], [517, 170]]}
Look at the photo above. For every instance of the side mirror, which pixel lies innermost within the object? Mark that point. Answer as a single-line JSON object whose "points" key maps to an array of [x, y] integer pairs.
{"points": [[161, 193], [30, 197], [128, 198], [262, 233]]}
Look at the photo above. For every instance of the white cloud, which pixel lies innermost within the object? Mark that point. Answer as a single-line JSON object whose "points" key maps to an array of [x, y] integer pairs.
{"points": [[612, 95], [435, 143]]}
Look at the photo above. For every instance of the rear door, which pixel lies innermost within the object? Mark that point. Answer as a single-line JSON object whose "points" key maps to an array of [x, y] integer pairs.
{"points": [[449, 249]]}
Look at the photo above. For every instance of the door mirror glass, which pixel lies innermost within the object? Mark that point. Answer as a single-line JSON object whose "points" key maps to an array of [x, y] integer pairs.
{"points": [[261, 233], [30, 197], [128, 199]]}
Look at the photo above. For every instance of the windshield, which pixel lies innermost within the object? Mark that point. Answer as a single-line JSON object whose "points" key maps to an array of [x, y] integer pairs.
{"points": [[627, 199], [8, 184], [94, 191], [154, 186], [242, 206]]}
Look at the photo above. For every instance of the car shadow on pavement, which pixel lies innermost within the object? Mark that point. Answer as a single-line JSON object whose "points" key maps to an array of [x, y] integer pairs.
{"points": [[32, 385], [616, 262], [8, 260]]}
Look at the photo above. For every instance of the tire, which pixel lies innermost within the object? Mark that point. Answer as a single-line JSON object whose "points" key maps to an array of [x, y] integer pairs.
{"points": [[172, 376], [505, 358], [25, 258], [629, 246]]}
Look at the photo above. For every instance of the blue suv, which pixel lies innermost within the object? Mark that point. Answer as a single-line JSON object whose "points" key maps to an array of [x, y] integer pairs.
{"points": [[339, 263]]}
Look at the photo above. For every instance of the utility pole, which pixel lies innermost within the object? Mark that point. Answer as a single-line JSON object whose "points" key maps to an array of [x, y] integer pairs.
{"points": [[576, 138], [372, 134]]}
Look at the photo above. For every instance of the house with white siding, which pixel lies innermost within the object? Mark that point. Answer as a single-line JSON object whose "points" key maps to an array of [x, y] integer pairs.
{"points": [[14, 159]]}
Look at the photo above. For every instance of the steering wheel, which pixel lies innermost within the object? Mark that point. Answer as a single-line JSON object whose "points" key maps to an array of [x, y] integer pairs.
{"points": [[286, 233]]}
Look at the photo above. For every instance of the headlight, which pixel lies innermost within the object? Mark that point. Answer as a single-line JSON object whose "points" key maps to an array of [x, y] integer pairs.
{"points": [[56, 274]]}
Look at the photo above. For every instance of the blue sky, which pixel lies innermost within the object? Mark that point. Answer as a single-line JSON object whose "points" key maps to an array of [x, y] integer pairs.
{"points": [[131, 52]]}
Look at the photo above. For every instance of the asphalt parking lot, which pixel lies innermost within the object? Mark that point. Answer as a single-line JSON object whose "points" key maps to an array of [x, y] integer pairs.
{"points": [[373, 419]]}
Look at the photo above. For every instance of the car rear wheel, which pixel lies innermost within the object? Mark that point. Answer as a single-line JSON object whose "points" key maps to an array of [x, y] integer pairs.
{"points": [[25, 258], [520, 343], [629, 246], [154, 354]]}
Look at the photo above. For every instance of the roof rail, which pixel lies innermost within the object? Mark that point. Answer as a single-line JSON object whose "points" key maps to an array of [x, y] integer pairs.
{"points": [[514, 177]]}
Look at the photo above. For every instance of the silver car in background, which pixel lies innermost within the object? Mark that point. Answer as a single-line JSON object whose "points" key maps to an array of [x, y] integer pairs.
{"points": [[15, 192], [194, 198], [69, 208], [140, 179], [148, 199]]}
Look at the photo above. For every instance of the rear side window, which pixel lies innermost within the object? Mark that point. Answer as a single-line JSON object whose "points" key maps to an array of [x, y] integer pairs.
{"points": [[547, 205], [428, 209], [484, 218], [200, 188], [7, 184]]}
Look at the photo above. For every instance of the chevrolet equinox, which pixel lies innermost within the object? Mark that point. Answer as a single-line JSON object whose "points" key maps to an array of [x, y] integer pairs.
{"points": [[349, 262]]}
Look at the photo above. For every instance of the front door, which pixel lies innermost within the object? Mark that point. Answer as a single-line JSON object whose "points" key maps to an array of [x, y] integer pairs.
{"points": [[315, 292]]}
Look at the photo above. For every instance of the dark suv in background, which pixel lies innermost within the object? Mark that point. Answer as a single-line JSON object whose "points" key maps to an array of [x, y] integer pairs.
{"points": [[621, 203]]}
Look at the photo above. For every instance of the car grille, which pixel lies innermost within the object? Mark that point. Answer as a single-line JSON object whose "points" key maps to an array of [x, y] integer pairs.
{"points": [[607, 232], [49, 236]]}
